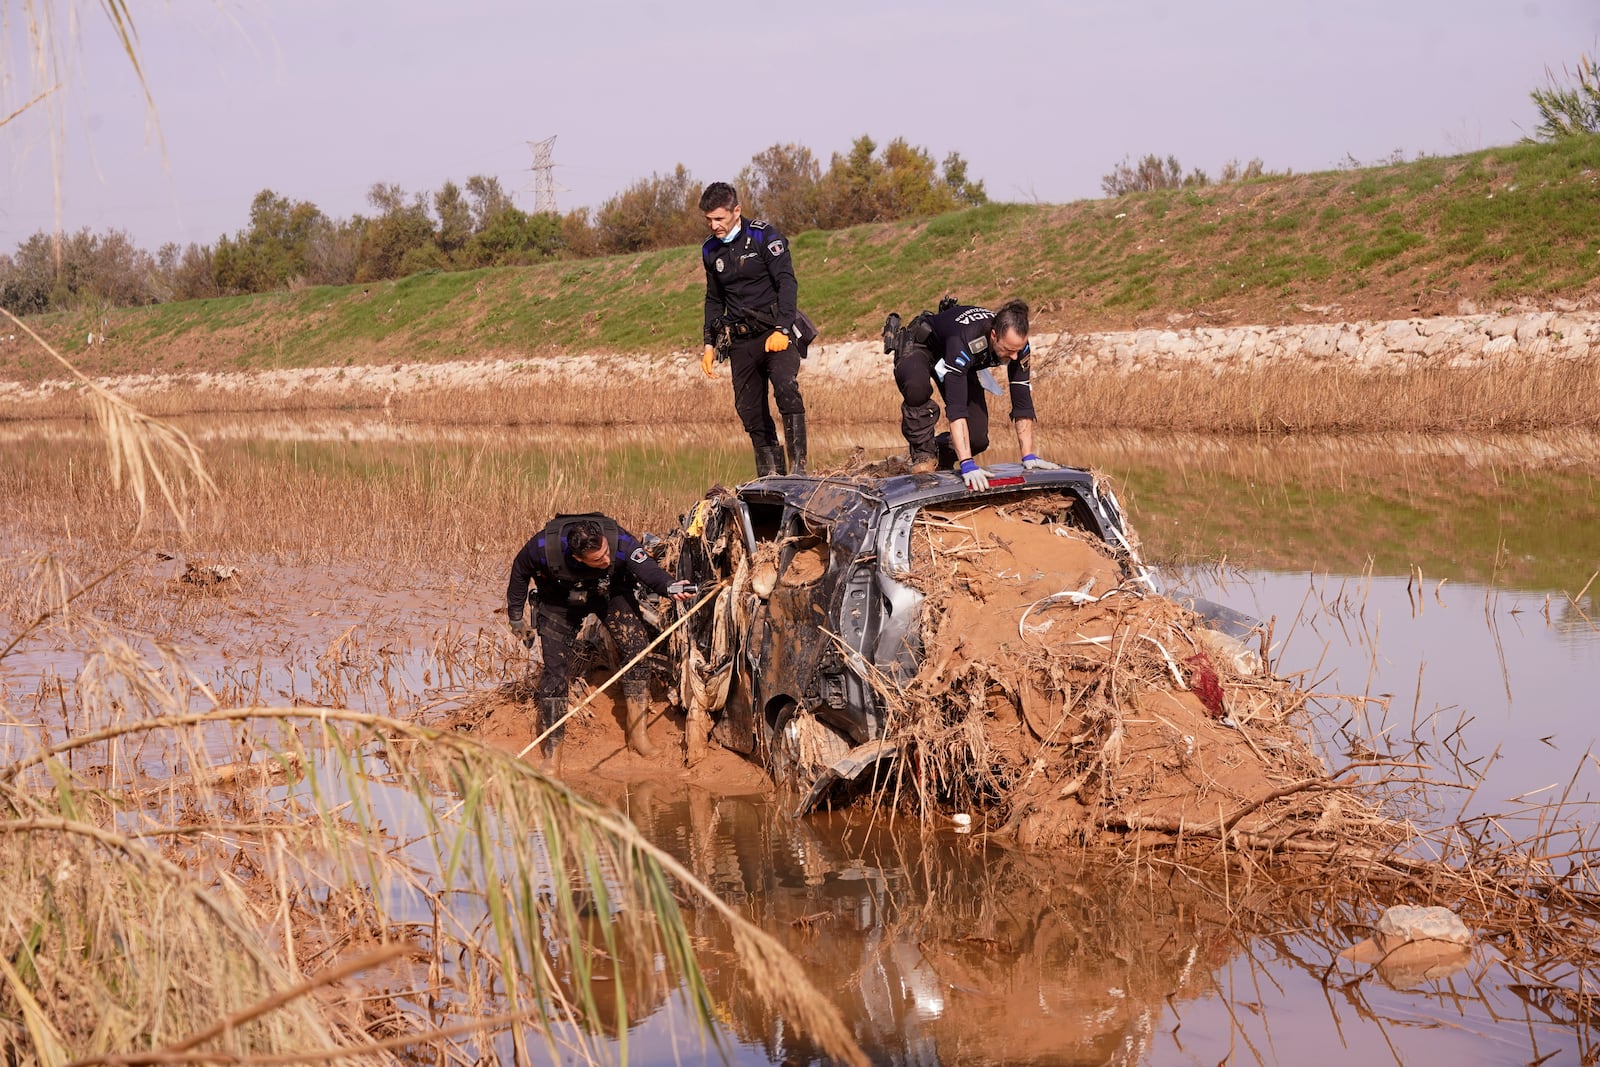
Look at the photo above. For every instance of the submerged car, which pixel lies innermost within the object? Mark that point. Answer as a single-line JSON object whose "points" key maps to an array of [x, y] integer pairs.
{"points": [[822, 605]]}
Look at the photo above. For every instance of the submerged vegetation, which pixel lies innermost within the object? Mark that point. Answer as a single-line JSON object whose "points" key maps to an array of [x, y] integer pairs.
{"points": [[189, 880]]}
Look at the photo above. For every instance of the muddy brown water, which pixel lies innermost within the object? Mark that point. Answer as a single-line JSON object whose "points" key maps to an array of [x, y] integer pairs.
{"points": [[944, 949]]}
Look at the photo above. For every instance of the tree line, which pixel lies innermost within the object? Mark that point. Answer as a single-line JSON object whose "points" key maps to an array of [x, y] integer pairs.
{"points": [[293, 243]]}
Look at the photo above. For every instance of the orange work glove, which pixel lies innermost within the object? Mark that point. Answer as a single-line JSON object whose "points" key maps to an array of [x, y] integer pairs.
{"points": [[707, 360], [777, 340]]}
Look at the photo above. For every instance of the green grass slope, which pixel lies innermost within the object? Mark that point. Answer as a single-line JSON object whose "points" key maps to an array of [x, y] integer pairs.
{"points": [[1519, 223]]}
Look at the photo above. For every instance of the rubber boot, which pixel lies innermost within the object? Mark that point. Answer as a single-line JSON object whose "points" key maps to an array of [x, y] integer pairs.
{"points": [[769, 460], [794, 439], [638, 701], [552, 710], [916, 426]]}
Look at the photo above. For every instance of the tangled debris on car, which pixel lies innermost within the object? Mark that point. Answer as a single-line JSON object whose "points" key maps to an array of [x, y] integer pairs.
{"points": [[1002, 655]]}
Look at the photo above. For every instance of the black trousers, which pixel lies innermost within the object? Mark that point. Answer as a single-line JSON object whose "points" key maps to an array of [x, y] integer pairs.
{"points": [[913, 374], [754, 368], [558, 629]]}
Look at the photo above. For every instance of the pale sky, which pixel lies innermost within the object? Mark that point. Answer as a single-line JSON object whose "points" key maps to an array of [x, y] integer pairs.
{"points": [[319, 99]]}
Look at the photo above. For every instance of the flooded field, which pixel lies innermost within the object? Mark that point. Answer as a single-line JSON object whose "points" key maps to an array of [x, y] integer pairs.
{"points": [[1439, 594]]}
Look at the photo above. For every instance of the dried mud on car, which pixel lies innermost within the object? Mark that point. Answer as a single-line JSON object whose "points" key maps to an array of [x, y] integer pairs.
{"points": [[1056, 696], [1065, 699]]}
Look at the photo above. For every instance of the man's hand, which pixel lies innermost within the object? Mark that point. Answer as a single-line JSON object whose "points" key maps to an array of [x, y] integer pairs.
{"points": [[1031, 462], [777, 340], [683, 590], [707, 359], [975, 476], [519, 630]]}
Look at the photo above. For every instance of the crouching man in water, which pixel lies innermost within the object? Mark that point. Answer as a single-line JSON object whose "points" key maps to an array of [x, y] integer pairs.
{"points": [[954, 349], [582, 565]]}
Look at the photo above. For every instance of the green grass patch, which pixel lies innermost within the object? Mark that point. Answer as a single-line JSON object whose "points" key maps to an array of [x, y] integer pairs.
{"points": [[1525, 216]]}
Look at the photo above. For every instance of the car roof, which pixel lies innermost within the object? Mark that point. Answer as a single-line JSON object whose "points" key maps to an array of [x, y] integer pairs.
{"points": [[897, 490]]}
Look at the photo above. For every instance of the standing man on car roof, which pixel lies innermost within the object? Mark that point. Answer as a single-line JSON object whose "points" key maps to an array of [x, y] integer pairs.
{"points": [[954, 348], [751, 321], [581, 565]]}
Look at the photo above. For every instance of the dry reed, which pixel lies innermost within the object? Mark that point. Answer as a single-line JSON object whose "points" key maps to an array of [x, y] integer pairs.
{"points": [[163, 903], [1498, 396]]}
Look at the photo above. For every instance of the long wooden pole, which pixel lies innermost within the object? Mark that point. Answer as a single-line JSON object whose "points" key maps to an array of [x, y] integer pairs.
{"points": [[685, 617]]}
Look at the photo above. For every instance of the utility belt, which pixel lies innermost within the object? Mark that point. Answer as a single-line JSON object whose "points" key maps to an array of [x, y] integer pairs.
{"points": [[728, 330]]}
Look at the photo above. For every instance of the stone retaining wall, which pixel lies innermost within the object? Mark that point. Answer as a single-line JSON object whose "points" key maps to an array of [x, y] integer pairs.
{"points": [[1454, 341], [1451, 341]]}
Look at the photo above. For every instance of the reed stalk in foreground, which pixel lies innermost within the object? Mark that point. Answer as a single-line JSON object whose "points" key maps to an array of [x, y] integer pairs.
{"points": [[141, 450], [142, 895], [239, 880]]}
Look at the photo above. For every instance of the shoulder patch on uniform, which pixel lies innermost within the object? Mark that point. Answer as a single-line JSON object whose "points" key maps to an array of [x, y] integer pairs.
{"points": [[777, 247], [639, 555], [980, 345], [762, 225]]}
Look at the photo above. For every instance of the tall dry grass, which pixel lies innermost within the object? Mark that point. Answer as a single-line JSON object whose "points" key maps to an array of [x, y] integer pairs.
{"points": [[165, 903], [147, 909], [466, 507], [190, 880], [1497, 396], [463, 500]]}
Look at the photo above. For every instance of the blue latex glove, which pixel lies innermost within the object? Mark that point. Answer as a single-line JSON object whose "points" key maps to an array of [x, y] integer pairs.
{"points": [[975, 476], [1031, 462]]}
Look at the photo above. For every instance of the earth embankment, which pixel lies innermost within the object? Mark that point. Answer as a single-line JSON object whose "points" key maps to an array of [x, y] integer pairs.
{"points": [[1443, 341]]}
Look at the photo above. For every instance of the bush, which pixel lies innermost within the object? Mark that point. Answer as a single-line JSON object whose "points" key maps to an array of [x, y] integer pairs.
{"points": [[1150, 173], [1572, 110]]}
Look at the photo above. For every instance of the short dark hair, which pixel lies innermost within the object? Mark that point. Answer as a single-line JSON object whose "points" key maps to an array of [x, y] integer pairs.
{"points": [[584, 537], [1012, 316], [718, 195]]}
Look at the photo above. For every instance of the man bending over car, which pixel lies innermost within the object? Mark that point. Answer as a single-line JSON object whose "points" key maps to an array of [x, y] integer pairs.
{"points": [[953, 349]]}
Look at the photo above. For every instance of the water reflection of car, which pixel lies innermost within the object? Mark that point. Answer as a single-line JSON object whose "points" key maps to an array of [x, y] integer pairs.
{"points": [[823, 597], [943, 949]]}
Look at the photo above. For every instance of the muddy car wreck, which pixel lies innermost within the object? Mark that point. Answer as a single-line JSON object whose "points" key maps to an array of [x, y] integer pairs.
{"points": [[1001, 655]]}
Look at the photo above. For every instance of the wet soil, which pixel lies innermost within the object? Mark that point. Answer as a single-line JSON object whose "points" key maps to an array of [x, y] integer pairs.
{"points": [[593, 756]]}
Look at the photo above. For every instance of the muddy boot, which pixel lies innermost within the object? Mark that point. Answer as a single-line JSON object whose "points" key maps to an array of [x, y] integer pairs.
{"points": [[552, 710], [769, 460], [916, 426], [794, 439], [638, 701]]}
